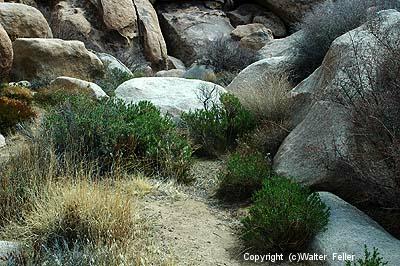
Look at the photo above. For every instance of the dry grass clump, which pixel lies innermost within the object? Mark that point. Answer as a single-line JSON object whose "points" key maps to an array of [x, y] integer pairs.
{"points": [[17, 93], [269, 100], [270, 103]]}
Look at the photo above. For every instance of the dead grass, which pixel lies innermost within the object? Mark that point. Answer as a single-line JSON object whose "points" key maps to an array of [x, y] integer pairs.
{"points": [[269, 100], [63, 212]]}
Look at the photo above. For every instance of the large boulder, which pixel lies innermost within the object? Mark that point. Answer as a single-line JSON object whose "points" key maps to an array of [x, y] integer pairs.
{"points": [[348, 231], [113, 64], [47, 59], [349, 52], [154, 44], [287, 46], [171, 95], [6, 53], [68, 22], [120, 16], [189, 28], [316, 151], [310, 153], [67, 83], [291, 11], [254, 75], [23, 21]]}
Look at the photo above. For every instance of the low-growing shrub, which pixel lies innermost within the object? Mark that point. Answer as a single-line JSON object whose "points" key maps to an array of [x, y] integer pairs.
{"points": [[244, 174], [110, 130], [284, 217], [217, 127], [13, 112], [17, 93], [370, 259], [325, 23]]}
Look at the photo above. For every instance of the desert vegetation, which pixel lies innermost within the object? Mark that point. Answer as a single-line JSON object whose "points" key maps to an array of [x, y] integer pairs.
{"points": [[160, 133]]}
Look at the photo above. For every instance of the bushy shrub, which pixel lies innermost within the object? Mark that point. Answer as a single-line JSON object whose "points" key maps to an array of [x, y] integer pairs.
{"points": [[325, 23], [17, 93], [217, 127], [12, 112], [369, 259], [284, 217], [243, 176], [109, 130], [228, 58]]}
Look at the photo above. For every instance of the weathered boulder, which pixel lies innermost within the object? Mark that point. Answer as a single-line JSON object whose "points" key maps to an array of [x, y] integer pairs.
{"points": [[290, 11], [47, 59], [69, 23], [6, 53], [309, 154], [120, 16], [2, 141], [253, 75], [23, 21], [113, 64], [252, 13], [175, 63], [11, 253], [282, 47], [349, 52], [349, 230], [67, 83], [177, 73], [154, 44], [171, 95], [190, 27]]}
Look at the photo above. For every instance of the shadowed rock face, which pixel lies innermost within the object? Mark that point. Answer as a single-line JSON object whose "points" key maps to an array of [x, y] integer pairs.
{"points": [[290, 11], [47, 59], [6, 53], [189, 28]]}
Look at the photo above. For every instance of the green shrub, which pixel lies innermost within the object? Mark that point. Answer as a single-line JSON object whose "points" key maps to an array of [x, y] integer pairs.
{"points": [[325, 23], [109, 130], [369, 259], [284, 217], [217, 127], [243, 176], [13, 112]]}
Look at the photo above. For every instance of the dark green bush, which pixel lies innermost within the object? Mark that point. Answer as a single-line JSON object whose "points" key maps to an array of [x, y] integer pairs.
{"points": [[284, 217], [109, 131], [217, 127], [243, 176], [325, 23], [369, 259]]}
